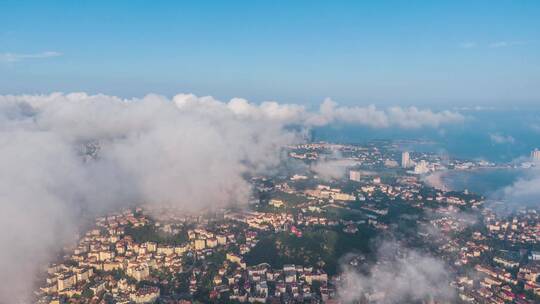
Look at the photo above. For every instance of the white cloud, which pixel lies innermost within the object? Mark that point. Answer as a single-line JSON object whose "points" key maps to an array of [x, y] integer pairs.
{"points": [[329, 112], [495, 44], [436, 180], [475, 108], [15, 57], [468, 45], [407, 118], [151, 151], [502, 44], [268, 110], [188, 152], [400, 275], [523, 193], [497, 138], [332, 169]]}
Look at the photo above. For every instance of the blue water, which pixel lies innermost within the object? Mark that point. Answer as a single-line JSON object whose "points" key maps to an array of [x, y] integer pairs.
{"points": [[487, 182], [468, 140]]}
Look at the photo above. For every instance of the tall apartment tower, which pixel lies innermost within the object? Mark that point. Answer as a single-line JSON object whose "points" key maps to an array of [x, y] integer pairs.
{"points": [[354, 175], [405, 160], [535, 155]]}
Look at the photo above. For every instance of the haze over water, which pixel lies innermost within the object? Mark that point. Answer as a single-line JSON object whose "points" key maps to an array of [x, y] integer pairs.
{"points": [[493, 135], [484, 181]]}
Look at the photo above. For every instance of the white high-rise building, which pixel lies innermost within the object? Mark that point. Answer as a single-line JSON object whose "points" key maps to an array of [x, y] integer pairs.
{"points": [[405, 160], [535, 155], [354, 175], [421, 167]]}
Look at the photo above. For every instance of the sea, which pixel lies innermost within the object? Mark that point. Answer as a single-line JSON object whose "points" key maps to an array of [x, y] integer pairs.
{"points": [[487, 182], [501, 137]]}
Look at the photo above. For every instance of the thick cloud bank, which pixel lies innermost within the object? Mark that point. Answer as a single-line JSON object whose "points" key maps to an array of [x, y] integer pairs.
{"points": [[63, 155], [408, 118], [330, 112]]}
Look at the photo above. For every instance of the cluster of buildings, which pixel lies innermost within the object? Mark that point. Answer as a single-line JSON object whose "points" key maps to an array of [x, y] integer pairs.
{"points": [[326, 192], [485, 271], [521, 228], [109, 261], [262, 284], [498, 282], [134, 258]]}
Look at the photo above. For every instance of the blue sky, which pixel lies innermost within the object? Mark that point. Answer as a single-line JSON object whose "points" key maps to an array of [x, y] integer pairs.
{"points": [[357, 52]]}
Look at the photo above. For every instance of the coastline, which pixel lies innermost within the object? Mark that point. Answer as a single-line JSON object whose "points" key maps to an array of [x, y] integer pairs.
{"points": [[482, 180]]}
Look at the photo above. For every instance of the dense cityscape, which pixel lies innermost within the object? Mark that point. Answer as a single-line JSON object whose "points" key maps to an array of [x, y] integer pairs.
{"points": [[302, 230], [280, 152]]}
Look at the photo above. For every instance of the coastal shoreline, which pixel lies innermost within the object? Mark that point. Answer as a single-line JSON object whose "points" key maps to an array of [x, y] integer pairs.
{"points": [[479, 179]]}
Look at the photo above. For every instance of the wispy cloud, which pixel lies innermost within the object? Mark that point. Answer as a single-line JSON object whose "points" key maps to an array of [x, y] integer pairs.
{"points": [[414, 276], [535, 127], [468, 45], [497, 138], [494, 44], [16, 57], [502, 44]]}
